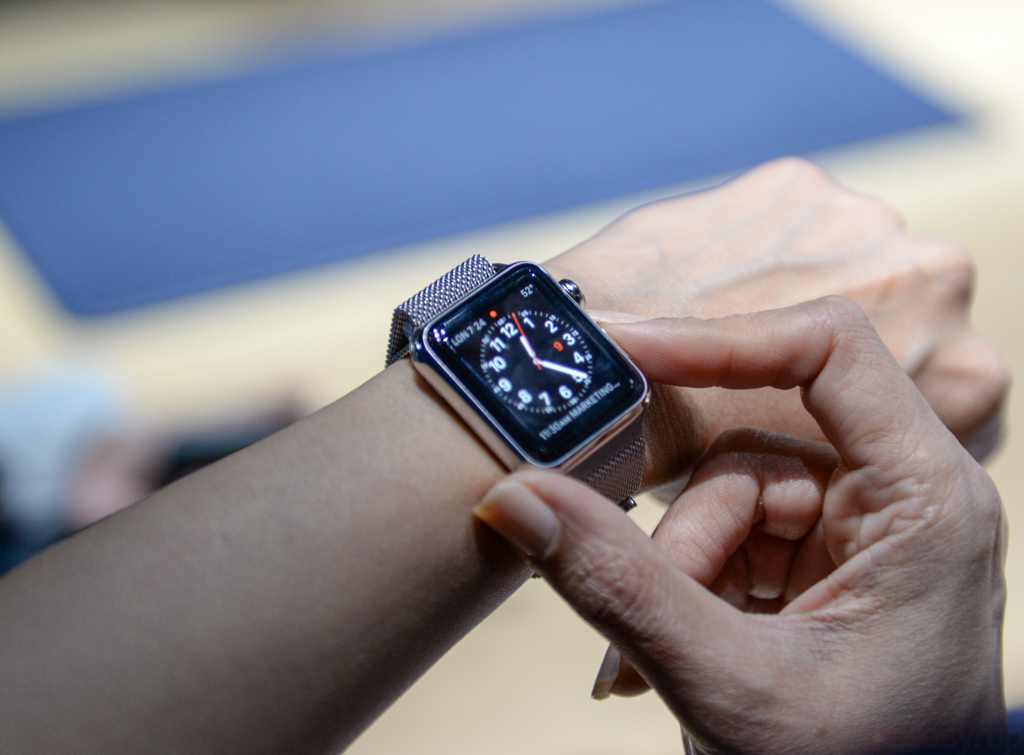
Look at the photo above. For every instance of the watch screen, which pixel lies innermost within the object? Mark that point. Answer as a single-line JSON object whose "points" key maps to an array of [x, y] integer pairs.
{"points": [[542, 370]]}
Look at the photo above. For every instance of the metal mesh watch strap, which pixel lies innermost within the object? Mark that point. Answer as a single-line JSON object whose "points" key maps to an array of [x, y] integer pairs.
{"points": [[434, 299], [617, 470]]}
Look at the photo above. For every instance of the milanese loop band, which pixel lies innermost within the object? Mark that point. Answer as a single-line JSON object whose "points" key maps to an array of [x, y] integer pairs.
{"points": [[621, 476], [434, 299], [615, 470]]}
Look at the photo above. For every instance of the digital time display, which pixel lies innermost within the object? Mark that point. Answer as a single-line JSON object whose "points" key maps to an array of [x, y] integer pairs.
{"points": [[535, 363]]}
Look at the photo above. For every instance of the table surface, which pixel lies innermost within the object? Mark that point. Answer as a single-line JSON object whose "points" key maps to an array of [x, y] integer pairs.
{"points": [[520, 681]]}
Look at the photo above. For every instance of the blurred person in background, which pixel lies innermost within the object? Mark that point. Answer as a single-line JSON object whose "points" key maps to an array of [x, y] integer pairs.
{"points": [[73, 458]]}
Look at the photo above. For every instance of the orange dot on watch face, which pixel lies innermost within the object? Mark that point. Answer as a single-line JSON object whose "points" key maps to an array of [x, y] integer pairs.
{"points": [[493, 313]]}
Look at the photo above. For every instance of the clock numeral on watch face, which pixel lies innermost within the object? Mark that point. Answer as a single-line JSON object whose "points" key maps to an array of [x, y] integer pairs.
{"points": [[534, 360]]}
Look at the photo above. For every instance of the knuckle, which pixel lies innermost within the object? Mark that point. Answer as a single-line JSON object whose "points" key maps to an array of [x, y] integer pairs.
{"points": [[607, 586], [846, 326], [799, 169], [966, 380], [977, 368], [865, 217], [993, 379], [842, 314], [879, 212], [953, 256], [944, 260], [993, 368], [792, 177], [958, 267], [961, 502], [1000, 375], [986, 515]]}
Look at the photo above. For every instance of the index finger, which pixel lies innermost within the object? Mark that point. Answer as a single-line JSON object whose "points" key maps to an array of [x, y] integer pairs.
{"points": [[864, 402]]}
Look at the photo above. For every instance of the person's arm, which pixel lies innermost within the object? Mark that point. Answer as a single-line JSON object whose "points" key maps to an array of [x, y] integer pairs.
{"points": [[276, 601], [856, 590], [282, 598]]}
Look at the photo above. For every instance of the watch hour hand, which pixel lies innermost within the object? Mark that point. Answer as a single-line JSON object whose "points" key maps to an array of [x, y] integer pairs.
{"points": [[528, 346]]}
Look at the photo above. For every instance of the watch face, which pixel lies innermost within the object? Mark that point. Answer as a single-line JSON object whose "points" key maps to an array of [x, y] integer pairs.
{"points": [[533, 362]]}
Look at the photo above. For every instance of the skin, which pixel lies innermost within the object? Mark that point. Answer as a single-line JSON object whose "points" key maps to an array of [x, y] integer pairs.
{"points": [[279, 600], [856, 594], [779, 235]]}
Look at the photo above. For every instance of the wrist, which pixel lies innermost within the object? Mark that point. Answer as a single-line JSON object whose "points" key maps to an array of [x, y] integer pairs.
{"points": [[432, 424]]}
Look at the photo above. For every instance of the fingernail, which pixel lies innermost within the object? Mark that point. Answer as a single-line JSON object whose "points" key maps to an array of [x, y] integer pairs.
{"points": [[601, 316], [606, 675], [515, 513]]}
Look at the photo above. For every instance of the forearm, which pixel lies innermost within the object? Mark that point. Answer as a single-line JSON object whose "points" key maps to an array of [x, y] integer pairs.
{"points": [[274, 602]]}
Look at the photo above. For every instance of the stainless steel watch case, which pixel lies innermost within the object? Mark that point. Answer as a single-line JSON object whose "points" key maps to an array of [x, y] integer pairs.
{"points": [[490, 431]]}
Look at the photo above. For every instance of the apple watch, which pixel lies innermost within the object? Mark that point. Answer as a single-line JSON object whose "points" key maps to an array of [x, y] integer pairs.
{"points": [[514, 354]]}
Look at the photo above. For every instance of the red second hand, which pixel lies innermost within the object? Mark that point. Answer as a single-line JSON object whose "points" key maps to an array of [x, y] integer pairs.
{"points": [[516, 320]]}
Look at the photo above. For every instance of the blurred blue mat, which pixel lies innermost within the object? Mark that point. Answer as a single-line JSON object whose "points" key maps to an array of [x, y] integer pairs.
{"points": [[315, 159]]}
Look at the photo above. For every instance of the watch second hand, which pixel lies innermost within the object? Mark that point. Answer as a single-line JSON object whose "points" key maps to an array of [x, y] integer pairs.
{"points": [[526, 342]]}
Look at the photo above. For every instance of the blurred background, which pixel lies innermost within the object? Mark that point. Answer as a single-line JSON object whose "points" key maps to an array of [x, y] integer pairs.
{"points": [[209, 209]]}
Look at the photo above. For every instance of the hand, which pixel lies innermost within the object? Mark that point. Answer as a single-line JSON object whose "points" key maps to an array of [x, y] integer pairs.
{"points": [[782, 234], [874, 575]]}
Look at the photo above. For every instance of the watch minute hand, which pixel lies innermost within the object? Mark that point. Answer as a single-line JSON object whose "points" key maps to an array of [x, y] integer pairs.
{"points": [[562, 368]]}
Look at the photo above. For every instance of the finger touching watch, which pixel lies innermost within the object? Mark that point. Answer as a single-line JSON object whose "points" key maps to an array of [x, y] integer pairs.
{"points": [[514, 354]]}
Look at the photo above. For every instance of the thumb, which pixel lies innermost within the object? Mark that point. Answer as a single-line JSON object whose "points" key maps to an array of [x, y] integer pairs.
{"points": [[673, 630]]}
